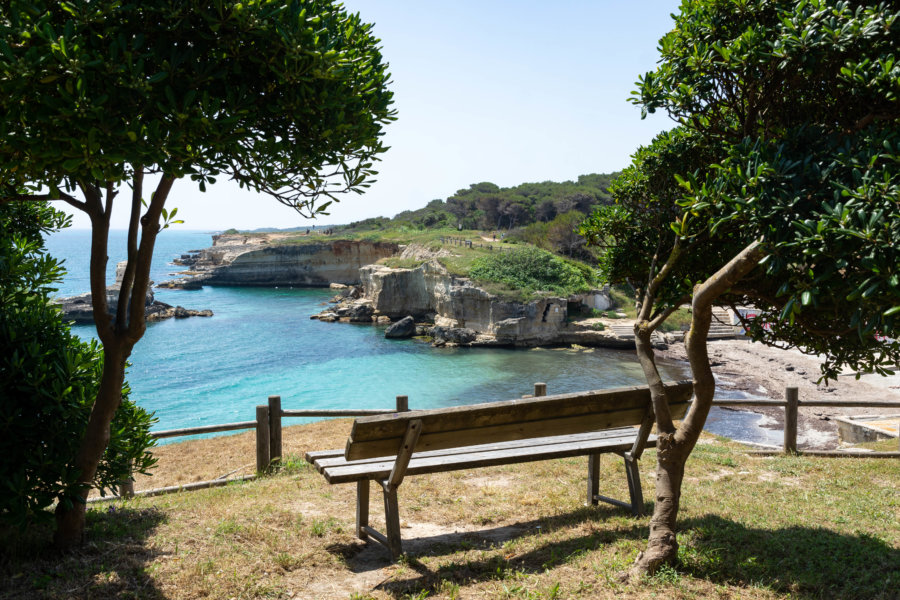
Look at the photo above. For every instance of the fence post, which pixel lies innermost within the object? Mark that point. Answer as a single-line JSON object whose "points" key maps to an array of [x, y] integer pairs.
{"points": [[275, 428], [402, 403], [540, 389], [262, 438], [790, 420], [126, 485]]}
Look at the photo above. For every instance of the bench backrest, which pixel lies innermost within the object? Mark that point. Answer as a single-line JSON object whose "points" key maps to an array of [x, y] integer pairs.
{"points": [[520, 419]]}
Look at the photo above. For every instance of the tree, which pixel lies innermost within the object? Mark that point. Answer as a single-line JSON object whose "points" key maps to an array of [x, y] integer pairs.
{"points": [[287, 98], [781, 188], [48, 380]]}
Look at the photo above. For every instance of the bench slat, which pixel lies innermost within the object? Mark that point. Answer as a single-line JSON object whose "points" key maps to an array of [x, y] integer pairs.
{"points": [[510, 420], [332, 458], [469, 460]]}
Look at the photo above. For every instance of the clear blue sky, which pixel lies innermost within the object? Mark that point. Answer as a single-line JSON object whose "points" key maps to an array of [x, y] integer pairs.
{"points": [[498, 91]]}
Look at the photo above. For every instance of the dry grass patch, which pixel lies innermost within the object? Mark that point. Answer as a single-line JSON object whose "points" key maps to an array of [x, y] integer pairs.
{"points": [[505, 532]]}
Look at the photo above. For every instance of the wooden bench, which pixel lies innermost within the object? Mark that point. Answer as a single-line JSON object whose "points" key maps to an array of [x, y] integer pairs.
{"points": [[386, 448]]}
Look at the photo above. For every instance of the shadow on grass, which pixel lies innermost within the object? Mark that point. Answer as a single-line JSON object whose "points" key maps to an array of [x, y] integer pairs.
{"points": [[807, 563], [112, 563]]}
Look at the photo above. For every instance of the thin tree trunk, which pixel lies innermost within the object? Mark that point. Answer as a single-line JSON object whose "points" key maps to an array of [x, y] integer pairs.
{"points": [[118, 337], [674, 445]]}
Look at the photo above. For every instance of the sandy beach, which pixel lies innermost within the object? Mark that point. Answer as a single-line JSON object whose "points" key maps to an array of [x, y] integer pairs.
{"points": [[764, 372]]}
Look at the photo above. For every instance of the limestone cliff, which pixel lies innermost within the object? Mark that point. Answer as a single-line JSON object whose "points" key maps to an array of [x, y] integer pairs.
{"points": [[241, 260], [430, 292]]}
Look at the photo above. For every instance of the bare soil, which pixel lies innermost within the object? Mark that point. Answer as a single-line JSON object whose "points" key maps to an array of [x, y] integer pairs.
{"points": [[764, 372]]}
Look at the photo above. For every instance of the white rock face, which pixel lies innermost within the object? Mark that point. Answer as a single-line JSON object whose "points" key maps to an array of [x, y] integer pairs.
{"points": [[321, 263], [455, 302]]}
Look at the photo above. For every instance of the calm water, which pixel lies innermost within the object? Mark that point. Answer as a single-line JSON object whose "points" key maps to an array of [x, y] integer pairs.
{"points": [[204, 371]]}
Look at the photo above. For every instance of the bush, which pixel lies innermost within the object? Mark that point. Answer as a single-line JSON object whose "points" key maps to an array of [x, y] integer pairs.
{"points": [[531, 269], [48, 380]]}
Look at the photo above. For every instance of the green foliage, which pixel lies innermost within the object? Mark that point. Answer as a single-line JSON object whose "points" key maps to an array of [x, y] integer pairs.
{"points": [[48, 379], [532, 269], [791, 113], [287, 98]]}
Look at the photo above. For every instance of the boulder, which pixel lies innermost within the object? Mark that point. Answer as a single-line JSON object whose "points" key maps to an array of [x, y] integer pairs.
{"points": [[453, 335], [402, 329]]}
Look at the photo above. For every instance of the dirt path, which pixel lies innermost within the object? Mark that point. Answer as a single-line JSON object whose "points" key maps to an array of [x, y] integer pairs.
{"points": [[764, 372]]}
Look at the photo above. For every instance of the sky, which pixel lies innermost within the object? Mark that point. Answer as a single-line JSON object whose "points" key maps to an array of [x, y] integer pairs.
{"points": [[493, 90]]}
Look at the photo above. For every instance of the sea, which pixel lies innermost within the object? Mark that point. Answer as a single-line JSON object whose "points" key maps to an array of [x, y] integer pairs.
{"points": [[261, 342]]}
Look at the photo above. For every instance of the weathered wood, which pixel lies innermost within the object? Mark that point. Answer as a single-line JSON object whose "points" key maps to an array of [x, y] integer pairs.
{"points": [[746, 402], [513, 411], [790, 420], [262, 438], [646, 426], [313, 456], [392, 520], [362, 508], [830, 453], [404, 453], [633, 475], [420, 466], [510, 432], [349, 412], [172, 489], [332, 458], [402, 403], [377, 536], [275, 429], [167, 433], [511, 420], [593, 480], [540, 389]]}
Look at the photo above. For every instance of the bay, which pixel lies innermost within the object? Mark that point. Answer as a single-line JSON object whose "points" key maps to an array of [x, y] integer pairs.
{"points": [[261, 342]]}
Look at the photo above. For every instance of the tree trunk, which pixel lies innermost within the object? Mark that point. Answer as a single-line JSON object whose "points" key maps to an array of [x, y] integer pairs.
{"points": [[70, 518], [674, 445], [117, 336], [662, 545]]}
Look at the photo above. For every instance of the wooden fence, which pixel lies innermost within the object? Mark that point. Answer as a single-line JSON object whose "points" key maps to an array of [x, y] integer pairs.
{"points": [[268, 425], [455, 241]]}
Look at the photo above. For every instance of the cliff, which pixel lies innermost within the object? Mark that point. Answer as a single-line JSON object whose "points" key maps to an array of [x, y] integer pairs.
{"points": [[465, 314], [240, 260]]}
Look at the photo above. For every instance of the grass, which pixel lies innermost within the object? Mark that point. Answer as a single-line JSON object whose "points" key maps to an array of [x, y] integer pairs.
{"points": [[751, 527]]}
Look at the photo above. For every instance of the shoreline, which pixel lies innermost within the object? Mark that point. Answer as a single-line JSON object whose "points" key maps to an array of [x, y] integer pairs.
{"points": [[760, 371]]}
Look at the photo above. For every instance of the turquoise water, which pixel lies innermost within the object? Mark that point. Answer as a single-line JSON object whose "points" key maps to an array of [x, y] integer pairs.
{"points": [[261, 342]]}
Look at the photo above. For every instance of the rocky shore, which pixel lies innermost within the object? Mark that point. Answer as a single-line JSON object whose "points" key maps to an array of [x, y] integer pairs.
{"points": [[764, 372], [452, 311], [80, 310]]}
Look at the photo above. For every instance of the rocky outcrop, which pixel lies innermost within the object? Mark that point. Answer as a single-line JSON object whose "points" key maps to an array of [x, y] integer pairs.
{"points": [[464, 314], [80, 310], [402, 329], [240, 260]]}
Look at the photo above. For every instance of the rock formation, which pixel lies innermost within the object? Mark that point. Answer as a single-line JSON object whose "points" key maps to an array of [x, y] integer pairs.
{"points": [[463, 314], [79, 308], [271, 260]]}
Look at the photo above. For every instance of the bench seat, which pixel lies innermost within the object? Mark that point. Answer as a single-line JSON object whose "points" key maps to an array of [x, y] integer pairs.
{"points": [[386, 448], [336, 469]]}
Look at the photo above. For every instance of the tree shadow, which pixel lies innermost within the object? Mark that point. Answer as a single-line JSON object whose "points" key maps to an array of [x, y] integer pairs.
{"points": [[112, 562], [805, 562], [808, 562]]}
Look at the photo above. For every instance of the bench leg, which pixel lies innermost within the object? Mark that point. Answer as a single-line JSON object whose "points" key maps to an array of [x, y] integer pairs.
{"points": [[593, 480], [362, 508], [634, 484], [392, 520]]}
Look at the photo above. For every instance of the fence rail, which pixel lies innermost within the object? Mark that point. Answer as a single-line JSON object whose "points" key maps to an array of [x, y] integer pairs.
{"points": [[268, 425]]}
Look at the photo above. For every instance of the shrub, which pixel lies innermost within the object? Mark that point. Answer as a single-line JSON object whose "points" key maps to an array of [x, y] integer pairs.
{"points": [[531, 269], [49, 379]]}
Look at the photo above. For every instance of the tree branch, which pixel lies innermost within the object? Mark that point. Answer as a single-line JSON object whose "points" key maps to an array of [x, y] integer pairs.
{"points": [[133, 224]]}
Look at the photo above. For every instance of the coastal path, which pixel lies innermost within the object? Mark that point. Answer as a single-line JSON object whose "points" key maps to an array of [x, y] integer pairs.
{"points": [[387, 448]]}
